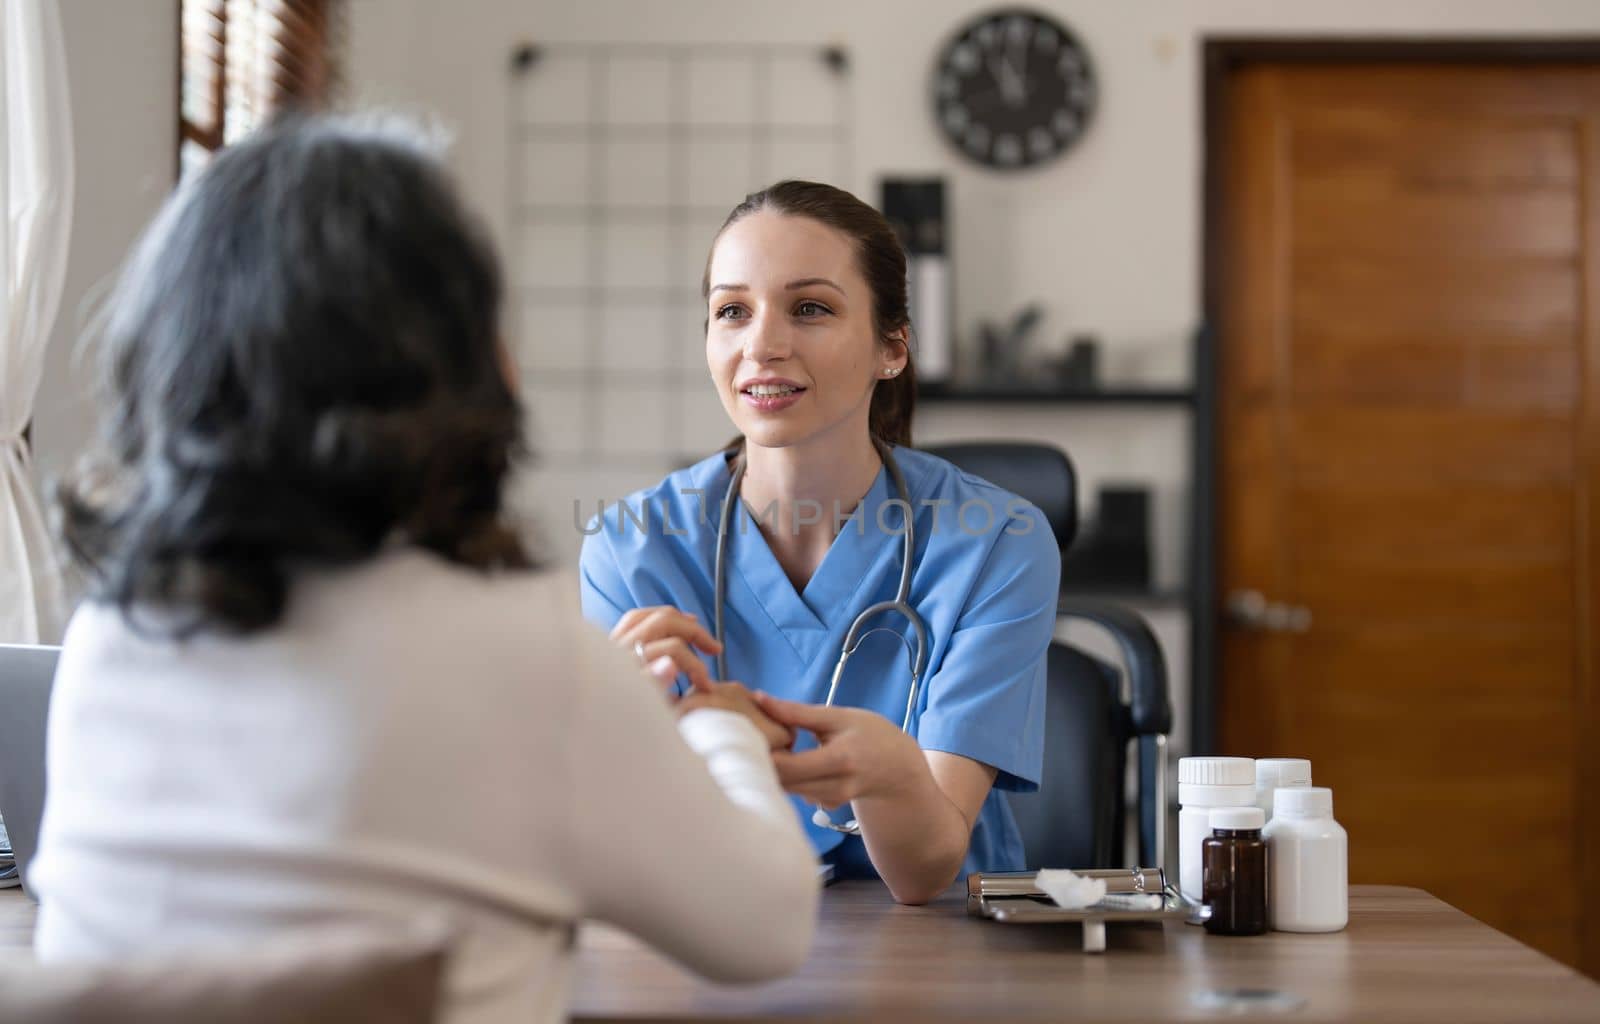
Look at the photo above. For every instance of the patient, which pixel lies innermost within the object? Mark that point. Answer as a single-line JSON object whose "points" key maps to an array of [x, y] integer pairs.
{"points": [[317, 681]]}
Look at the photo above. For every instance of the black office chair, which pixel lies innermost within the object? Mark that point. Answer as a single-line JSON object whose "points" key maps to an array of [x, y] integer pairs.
{"points": [[1077, 818]]}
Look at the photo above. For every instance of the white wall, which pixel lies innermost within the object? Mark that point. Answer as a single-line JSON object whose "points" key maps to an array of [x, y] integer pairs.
{"points": [[122, 72], [1107, 239]]}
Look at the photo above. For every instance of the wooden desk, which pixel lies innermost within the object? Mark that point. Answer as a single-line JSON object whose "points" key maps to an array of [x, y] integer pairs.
{"points": [[1405, 957]]}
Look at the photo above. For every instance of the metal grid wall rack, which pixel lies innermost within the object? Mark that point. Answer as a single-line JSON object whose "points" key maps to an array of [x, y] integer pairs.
{"points": [[624, 160]]}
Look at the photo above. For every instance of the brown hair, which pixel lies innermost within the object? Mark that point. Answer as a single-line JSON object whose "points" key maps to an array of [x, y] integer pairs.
{"points": [[883, 263]]}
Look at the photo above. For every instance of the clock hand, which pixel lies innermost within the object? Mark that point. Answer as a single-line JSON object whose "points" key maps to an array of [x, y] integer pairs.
{"points": [[1011, 84], [997, 72], [1022, 64]]}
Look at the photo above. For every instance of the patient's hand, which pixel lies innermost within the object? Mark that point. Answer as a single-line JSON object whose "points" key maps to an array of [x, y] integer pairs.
{"points": [[736, 697]]}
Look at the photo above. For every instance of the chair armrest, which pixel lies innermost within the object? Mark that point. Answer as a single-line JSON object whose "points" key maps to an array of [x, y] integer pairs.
{"points": [[1149, 710], [1149, 704]]}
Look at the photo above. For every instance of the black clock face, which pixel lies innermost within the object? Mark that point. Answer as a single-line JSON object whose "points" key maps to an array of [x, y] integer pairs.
{"points": [[1013, 89]]}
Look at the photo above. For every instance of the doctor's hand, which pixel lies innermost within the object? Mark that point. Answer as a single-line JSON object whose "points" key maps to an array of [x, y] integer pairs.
{"points": [[665, 639], [860, 754], [737, 697]]}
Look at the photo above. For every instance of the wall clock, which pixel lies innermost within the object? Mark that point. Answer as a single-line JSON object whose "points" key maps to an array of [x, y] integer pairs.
{"points": [[1013, 88]]}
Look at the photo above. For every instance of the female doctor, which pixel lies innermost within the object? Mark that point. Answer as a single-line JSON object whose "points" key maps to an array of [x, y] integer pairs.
{"points": [[807, 342]]}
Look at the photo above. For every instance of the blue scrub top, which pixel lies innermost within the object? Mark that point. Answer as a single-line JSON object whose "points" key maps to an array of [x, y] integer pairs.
{"points": [[985, 580]]}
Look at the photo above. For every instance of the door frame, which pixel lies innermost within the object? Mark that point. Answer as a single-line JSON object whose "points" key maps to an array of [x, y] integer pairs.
{"points": [[1221, 58]]}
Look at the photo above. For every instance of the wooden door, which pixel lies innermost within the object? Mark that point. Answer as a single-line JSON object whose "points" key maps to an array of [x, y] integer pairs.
{"points": [[1408, 290]]}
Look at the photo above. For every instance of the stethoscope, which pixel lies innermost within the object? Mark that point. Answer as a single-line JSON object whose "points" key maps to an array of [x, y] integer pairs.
{"points": [[853, 638]]}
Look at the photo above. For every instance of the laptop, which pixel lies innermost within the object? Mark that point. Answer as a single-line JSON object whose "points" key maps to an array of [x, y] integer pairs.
{"points": [[25, 677]]}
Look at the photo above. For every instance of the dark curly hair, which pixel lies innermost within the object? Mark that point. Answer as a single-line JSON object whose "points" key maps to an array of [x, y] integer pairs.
{"points": [[304, 364]]}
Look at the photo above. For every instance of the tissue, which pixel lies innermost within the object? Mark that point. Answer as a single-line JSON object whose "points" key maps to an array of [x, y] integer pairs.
{"points": [[1070, 890]]}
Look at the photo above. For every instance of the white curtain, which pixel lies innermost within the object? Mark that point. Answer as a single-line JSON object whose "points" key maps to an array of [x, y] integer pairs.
{"points": [[36, 196]]}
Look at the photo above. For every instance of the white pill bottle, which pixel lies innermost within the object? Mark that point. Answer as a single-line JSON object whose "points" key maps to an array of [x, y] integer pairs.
{"points": [[1273, 773], [1205, 783], [1309, 856]]}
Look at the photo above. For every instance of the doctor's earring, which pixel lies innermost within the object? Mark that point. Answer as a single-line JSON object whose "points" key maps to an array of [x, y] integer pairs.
{"points": [[893, 371]]}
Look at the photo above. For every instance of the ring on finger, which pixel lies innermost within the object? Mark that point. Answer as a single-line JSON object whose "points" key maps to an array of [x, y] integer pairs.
{"points": [[638, 651]]}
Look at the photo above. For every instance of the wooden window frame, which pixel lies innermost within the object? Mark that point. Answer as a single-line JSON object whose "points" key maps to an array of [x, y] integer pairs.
{"points": [[292, 72]]}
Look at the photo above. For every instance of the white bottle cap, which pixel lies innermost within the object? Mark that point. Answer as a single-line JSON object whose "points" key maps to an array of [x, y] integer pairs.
{"points": [[1272, 772], [1301, 802], [1216, 771], [1238, 818]]}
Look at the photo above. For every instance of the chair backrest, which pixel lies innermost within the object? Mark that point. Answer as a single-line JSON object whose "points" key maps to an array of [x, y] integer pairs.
{"points": [[309, 976], [1039, 473], [1077, 817]]}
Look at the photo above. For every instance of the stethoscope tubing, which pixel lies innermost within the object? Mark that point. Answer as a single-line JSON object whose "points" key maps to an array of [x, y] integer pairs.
{"points": [[855, 635]]}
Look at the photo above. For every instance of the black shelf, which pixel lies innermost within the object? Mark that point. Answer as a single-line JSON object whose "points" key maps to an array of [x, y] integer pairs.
{"points": [[1196, 595], [1041, 396]]}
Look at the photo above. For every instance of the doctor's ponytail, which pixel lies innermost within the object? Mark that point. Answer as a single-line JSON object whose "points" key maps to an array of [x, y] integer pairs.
{"points": [[883, 264]]}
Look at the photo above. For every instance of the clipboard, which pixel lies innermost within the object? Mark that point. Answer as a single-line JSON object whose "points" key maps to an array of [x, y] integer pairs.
{"points": [[1014, 897]]}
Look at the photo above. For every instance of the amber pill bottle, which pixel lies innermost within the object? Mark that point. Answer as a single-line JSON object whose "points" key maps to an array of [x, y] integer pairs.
{"points": [[1234, 868]]}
